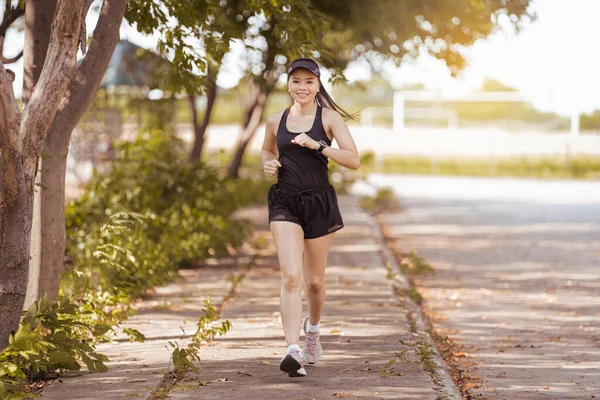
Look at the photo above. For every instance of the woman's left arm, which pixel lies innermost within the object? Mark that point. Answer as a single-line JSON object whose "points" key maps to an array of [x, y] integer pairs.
{"points": [[347, 154]]}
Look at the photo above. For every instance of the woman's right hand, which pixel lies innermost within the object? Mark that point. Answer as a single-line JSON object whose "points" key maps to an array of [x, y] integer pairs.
{"points": [[271, 167]]}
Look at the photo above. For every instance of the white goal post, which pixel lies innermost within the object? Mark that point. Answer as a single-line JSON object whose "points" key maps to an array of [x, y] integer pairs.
{"points": [[401, 96]]}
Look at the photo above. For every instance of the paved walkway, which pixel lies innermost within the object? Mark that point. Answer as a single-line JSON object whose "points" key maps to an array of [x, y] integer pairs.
{"points": [[517, 279], [364, 327]]}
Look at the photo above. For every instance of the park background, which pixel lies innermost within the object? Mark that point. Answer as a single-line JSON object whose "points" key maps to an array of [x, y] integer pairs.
{"points": [[164, 150]]}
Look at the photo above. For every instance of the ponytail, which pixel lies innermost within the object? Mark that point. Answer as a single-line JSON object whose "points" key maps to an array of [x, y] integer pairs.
{"points": [[323, 99]]}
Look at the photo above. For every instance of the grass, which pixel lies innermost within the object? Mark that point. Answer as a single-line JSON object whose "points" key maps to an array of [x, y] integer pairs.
{"points": [[545, 167], [414, 264], [539, 167], [412, 294], [425, 354], [422, 350], [383, 201], [411, 321]]}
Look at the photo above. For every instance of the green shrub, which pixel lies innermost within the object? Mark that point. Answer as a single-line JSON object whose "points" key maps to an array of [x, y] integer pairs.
{"points": [[52, 336], [207, 329], [384, 200], [155, 211], [188, 204], [128, 233]]}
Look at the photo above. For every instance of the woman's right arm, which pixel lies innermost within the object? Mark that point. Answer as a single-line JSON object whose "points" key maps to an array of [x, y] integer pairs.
{"points": [[268, 154]]}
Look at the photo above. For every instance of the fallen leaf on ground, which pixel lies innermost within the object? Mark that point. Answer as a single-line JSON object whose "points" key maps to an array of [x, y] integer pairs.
{"points": [[262, 362], [205, 383], [336, 331], [344, 370], [342, 394], [366, 361], [366, 369], [244, 373], [547, 387]]}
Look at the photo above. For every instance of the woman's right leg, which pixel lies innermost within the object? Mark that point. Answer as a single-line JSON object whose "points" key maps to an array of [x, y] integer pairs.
{"points": [[289, 241]]}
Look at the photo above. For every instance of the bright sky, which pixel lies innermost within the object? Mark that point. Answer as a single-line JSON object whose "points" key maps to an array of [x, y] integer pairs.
{"points": [[553, 61]]}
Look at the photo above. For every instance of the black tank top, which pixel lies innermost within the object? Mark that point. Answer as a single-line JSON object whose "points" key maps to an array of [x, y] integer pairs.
{"points": [[301, 167]]}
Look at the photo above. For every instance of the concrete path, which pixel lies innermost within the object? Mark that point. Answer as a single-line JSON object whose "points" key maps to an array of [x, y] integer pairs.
{"points": [[518, 279], [135, 369], [364, 328]]}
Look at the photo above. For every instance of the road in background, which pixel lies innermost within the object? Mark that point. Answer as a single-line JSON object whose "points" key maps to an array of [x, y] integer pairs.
{"points": [[517, 280]]}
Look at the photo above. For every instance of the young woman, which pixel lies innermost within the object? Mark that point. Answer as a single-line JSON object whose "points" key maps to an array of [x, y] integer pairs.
{"points": [[303, 209]]}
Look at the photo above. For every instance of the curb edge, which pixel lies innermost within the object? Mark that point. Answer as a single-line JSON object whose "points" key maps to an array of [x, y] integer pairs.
{"points": [[442, 375]]}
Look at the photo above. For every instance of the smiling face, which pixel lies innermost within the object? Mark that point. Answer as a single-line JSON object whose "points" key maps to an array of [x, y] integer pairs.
{"points": [[303, 86]]}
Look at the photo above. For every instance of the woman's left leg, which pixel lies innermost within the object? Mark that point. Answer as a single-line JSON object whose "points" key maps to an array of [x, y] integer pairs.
{"points": [[315, 260]]}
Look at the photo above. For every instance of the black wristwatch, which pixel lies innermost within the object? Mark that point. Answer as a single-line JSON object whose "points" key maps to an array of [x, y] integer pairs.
{"points": [[322, 145]]}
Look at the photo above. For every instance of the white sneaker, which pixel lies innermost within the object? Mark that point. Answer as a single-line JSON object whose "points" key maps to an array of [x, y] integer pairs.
{"points": [[292, 364], [312, 351]]}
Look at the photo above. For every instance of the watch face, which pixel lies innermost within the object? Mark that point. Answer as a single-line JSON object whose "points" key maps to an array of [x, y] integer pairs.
{"points": [[323, 144]]}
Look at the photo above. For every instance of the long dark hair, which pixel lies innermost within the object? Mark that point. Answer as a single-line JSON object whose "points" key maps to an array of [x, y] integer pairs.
{"points": [[323, 99]]}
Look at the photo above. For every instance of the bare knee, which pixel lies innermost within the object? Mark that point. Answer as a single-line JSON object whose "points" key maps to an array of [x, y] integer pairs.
{"points": [[292, 282], [315, 285]]}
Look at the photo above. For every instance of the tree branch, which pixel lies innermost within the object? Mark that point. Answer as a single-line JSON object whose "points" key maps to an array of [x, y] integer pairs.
{"points": [[9, 129], [92, 68], [9, 110], [57, 72], [10, 60], [10, 16], [83, 34]]}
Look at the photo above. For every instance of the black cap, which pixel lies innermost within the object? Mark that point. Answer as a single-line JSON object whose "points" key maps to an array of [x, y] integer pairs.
{"points": [[305, 63]]}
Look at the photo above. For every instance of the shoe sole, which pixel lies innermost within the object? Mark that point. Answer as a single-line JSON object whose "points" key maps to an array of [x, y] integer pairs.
{"points": [[292, 367]]}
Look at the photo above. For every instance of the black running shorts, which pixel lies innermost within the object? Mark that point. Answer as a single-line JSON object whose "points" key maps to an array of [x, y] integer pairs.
{"points": [[315, 210]]}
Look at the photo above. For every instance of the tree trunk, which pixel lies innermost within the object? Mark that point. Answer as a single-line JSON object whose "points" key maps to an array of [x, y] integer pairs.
{"points": [[38, 20], [15, 230], [253, 117], [48, 232], [200, 131], [21, 137], [48, 237]]}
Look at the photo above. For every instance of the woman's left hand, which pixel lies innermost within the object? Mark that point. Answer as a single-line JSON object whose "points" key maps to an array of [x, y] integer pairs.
{"points": [[306, 141]]}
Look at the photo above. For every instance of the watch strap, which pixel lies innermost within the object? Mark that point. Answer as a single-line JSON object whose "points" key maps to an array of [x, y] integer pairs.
{"points": [[322, 145]]}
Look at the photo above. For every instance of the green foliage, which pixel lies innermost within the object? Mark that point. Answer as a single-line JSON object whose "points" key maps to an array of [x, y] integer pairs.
{"points": [[134, 335], [132, 229], [591, 121], [52, 336], [414, 264], [155, 211], [207, 330], [575, 166], [191, 33], [15, 360], [127, 234], [393, 29], [388, 369], [423, 351], [384, 200], [411, 293]]}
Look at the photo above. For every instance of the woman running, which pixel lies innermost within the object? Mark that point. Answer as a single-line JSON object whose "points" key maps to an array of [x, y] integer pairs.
{"points": [[303, 208]]}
